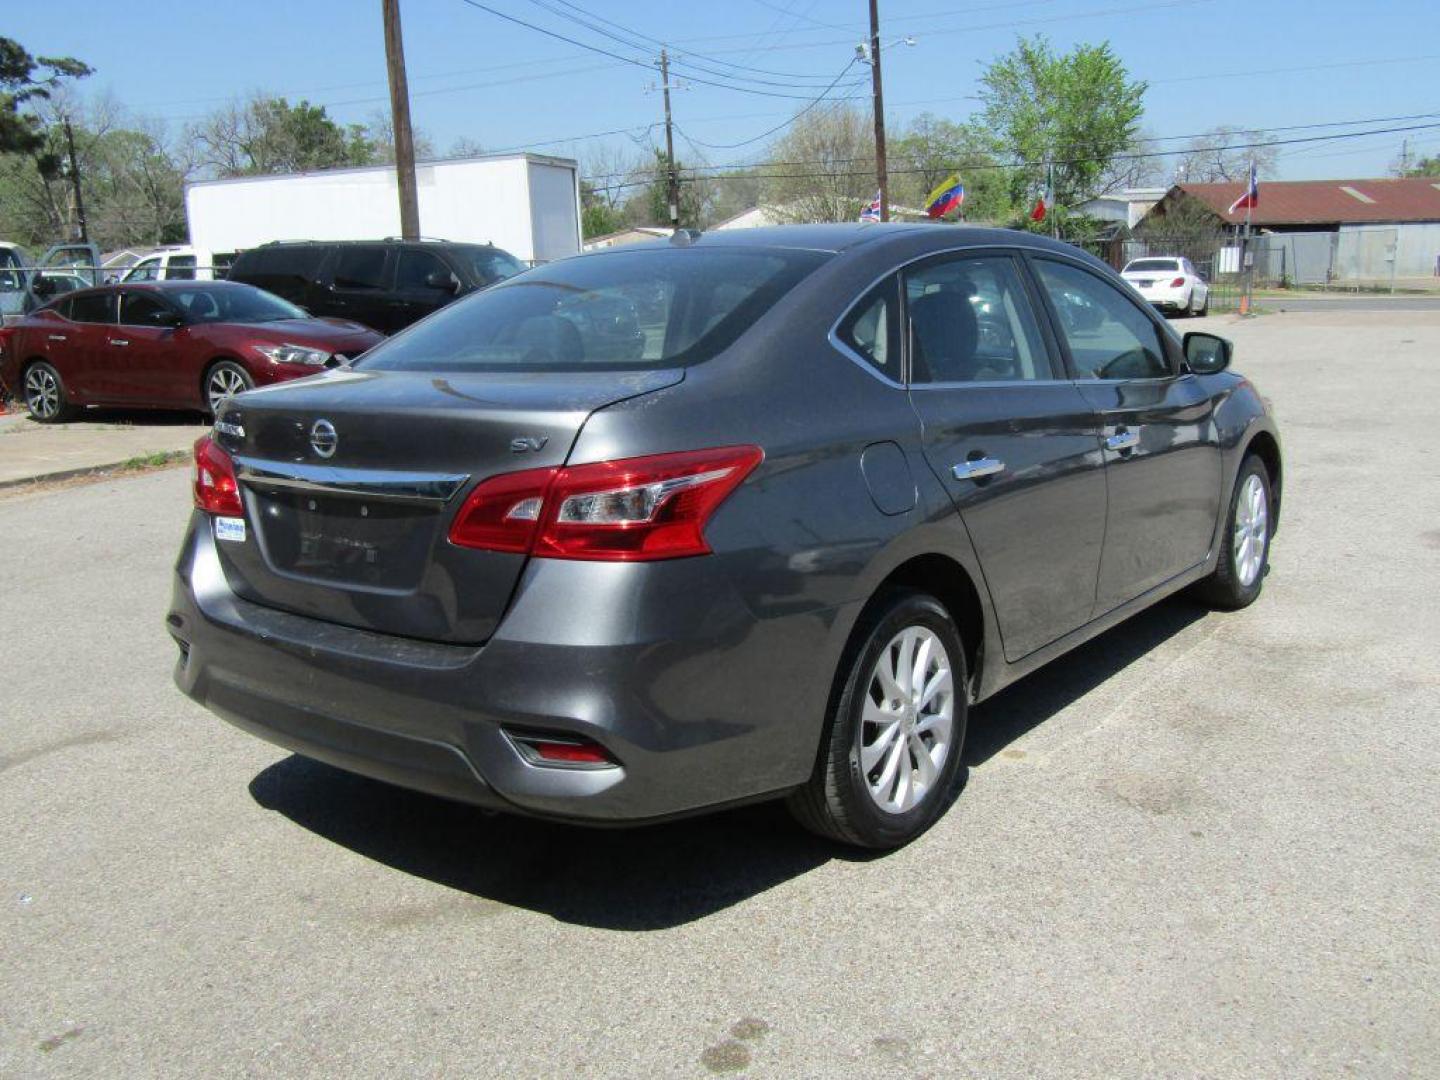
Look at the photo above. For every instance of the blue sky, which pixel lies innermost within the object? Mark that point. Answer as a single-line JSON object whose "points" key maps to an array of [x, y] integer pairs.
{"points": [[473, 75]]}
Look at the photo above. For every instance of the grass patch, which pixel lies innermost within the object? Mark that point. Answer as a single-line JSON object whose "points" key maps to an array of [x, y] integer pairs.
{"points": [[157, 460]]}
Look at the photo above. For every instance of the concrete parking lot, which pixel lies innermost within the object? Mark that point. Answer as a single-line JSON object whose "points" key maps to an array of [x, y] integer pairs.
{"points": [[1203, 844]]}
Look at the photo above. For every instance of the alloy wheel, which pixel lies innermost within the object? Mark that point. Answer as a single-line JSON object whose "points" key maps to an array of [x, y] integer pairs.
{"points": [[1252, 523], [224, 382], [42, 392], [908, 715]]}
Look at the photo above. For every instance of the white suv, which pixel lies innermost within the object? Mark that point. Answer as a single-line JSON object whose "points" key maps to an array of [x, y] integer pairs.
{"points": [[179, 263], [1171, 284]]}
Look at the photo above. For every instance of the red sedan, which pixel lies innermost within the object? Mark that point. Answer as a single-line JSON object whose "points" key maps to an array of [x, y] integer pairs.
{"points": [[168, 345]]}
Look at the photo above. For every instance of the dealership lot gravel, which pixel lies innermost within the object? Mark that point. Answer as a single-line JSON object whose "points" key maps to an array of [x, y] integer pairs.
{"points": [[1201, 845]]}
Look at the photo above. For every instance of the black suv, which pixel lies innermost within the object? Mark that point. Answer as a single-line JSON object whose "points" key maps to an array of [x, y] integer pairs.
{"points": [[385, 284]]}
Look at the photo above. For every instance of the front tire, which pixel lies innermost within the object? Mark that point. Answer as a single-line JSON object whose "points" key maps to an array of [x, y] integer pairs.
{"points": [[45, 397], [889, 762], [223, 381], [1245, 545]]}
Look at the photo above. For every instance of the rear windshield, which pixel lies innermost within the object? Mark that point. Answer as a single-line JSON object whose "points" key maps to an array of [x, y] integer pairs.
{"points": [[1152, 266], [615, 311]]}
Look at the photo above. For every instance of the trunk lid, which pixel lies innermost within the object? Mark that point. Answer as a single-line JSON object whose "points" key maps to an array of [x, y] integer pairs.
{"points": [[351, 480]]}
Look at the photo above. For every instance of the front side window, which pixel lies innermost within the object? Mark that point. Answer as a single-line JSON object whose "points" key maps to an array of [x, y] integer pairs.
{"points": [[142, 309], [617, 310], [180, 268], [416, 267], [971, 321], [93, 307], [491, 264], [872, 329], [145, 270], [1109, 336], [360, 268]]}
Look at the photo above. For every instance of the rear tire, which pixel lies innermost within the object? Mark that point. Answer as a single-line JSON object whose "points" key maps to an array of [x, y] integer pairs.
{"points": [[223, 380], [1205, 307], [889, 762], [1245, 544], [44, 393]]}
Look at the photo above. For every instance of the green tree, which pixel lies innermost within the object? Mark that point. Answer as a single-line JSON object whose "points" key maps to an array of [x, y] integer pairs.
{"points": [[1078, 111], [929, 150], [21, 83], [269, 135], [1426, 166]]}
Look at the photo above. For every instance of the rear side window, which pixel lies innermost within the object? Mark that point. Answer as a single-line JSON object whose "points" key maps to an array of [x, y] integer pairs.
{"points": [[490, 265], [93, 307], [180, 268], [971, 321], [360, 268], [1109, 337], [872, 329], [613, 311], [302, 262]]}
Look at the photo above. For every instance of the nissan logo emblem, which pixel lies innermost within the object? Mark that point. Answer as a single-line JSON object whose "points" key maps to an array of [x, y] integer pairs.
{"points": [[323, 439]]}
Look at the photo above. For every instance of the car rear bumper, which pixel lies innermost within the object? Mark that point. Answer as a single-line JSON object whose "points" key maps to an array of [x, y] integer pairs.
{"points": [[675, 707]]}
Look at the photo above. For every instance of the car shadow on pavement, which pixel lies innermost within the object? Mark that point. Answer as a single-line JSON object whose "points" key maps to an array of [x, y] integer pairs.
{"points": [[140, 417], [658, 876], [1008, 715]]}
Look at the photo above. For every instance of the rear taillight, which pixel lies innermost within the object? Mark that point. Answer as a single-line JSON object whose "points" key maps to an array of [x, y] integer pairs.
{"points": [[625, 511], [1177, 283], [215, 486]]}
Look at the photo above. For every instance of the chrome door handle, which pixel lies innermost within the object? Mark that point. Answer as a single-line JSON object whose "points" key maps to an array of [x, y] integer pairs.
{"points": [[977, 468], [58, 337], [1123, 440], [118, 341]]}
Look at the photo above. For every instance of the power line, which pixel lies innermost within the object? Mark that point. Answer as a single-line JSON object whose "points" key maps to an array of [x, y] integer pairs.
{"points": [[777, 127]]}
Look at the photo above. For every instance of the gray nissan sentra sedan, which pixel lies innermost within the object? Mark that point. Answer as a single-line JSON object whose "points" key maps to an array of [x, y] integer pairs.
{"points": [[734, 517]]}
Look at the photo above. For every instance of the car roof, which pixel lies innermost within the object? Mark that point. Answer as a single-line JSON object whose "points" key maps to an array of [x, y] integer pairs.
{"points": [[873, 237]]}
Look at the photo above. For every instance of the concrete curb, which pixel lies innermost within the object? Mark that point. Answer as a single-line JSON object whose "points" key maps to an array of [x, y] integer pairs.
{"points": [[176, 457]]}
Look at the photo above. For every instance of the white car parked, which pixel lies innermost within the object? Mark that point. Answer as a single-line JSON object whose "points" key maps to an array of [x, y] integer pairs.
{"points": [[1169, 284], [179, 263]]}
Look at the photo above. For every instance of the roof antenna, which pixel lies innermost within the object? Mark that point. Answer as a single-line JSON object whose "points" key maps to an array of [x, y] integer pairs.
{"points": [[684, 237]]}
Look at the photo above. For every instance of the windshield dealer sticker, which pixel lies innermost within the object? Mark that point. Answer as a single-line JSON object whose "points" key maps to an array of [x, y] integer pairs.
{"points": [[228, 528]]}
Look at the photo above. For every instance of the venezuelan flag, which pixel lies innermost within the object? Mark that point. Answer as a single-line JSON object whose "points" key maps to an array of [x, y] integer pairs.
{"points": [[946, 197]]}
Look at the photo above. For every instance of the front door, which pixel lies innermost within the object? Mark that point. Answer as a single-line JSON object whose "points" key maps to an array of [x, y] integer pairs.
{"points": [[416, 292], [146, 343], [1162, 452], [1014, 442]]}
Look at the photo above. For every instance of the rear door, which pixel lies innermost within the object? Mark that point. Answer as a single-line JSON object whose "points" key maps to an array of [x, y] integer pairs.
{"points": [[356, 283], [80, 351], [149, 351], [1161, 448], [1014, 442]]}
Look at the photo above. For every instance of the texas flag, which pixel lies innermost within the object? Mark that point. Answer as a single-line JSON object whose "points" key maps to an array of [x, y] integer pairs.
{"points": [[1250, 198]]}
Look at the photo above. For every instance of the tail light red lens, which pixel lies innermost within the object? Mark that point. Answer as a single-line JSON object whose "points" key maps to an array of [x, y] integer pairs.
{"points": [[629, 510], [215, 486], [1177, 283]]}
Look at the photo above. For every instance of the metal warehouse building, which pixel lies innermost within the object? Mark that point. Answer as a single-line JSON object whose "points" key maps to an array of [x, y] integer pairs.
{"points": [[1319, 231]]}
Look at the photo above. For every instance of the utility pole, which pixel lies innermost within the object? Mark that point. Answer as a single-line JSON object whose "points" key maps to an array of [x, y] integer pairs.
{"points": [[881, 174], [672, 182], [400, 121], [75, 184]]}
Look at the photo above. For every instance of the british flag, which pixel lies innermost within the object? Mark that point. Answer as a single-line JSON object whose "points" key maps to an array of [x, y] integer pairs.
{"points": [[872, 212]]}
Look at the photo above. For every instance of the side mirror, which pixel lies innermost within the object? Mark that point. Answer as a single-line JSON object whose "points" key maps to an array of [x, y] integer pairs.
{"points": [[1206, 354], [43, 286], [442, 279]]}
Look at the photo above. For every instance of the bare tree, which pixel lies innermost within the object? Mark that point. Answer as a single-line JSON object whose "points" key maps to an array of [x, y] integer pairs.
{"points": [[824, 167], [1224, 154], [380, 132]]}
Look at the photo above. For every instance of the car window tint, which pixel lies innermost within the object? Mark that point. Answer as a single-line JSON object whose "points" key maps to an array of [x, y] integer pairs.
{"points": [[492, 265], [1109, 337], [142, 309], [872, 329], [93, 307], [180, 268], [970, 321], [415, 267], [360, 268], [616, 310]]}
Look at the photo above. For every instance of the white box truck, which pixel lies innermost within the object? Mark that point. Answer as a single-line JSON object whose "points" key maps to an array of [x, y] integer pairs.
{"points": [[527, 204]]}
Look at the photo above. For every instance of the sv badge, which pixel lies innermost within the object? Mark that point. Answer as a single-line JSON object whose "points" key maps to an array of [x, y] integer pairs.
{"points": [[528, 442]]}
